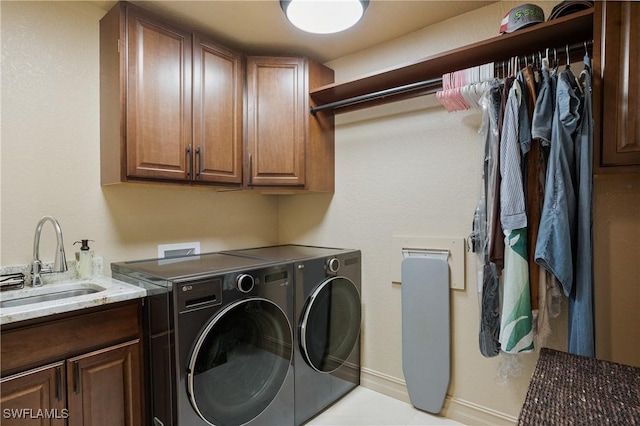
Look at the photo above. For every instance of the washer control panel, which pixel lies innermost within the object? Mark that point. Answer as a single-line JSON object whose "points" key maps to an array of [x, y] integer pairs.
{"points": [[198, 294]]}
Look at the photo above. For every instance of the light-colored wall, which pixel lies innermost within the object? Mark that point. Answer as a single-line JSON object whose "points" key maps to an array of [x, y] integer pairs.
{"points": [[51, 154], [411, 168], [404, 168], [616, 210]]}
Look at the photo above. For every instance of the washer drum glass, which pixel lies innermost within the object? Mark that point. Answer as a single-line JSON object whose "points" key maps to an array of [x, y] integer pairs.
{"points": [[239, 362]]}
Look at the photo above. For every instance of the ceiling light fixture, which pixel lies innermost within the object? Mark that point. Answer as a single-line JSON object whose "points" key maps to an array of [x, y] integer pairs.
{"points": [[324, 16]]}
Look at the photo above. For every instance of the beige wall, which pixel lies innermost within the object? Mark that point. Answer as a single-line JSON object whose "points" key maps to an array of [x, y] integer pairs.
{"points": [[404, 168], [616, 209], [51, 154]]}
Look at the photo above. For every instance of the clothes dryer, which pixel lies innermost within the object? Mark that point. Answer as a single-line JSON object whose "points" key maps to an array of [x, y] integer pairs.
{"points": [[220, 339], [328, 316]]}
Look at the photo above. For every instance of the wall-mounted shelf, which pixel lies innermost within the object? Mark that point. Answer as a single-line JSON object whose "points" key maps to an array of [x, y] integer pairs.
{"points": [[570, 29]]}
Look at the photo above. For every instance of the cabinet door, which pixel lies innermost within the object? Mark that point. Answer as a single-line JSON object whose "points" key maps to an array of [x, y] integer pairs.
{"points": [[617, 61], [277, 116], [104, 387], [217, 112], [35, 397], [158, 99]]}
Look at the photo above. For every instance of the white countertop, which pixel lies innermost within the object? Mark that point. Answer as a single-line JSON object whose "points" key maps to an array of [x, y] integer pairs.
{"points": [[111, 291]]}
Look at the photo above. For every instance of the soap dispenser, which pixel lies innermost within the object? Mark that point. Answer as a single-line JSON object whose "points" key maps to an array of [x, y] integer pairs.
{"points": [[84, 259]]}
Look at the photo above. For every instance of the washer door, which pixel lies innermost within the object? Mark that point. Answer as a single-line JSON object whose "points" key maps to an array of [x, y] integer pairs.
{"points": [[330, 324], [239, 362]]}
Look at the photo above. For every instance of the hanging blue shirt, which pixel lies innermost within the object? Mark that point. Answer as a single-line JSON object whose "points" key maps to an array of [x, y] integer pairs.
{"points": [[556, 245], [581, 329]]}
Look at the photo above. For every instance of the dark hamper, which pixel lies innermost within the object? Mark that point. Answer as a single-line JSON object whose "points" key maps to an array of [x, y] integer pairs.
{"points": [[569, 389]]}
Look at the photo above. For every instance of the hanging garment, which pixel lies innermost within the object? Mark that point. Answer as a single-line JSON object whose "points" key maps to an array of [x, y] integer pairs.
{"points": [[541, 133], [545, 105], [555, 248], [516, 334], [554, 289], [512, 206], [496, 238], [534, 194], [490, 291], [581, 329]]}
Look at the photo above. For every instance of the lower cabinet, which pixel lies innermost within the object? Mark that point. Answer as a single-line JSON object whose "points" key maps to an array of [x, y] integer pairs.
{"points": [[35, 397], [103, 387], [78, 379]]}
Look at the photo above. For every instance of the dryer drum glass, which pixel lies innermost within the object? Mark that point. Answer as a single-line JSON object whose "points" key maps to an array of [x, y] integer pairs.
{"points": [[240, 362], [331, 324]]}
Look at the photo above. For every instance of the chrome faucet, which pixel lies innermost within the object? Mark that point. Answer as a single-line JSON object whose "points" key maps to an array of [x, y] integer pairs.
{"points": [[60, 262]]}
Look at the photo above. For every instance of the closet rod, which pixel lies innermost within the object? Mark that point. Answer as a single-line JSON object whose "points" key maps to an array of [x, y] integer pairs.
{"points": [[434, 84]]}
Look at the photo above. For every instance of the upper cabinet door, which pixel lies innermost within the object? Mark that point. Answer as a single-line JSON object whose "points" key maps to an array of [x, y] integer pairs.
{"points": [[276, 121], [617, 81], [217, 113], [158, 99]]}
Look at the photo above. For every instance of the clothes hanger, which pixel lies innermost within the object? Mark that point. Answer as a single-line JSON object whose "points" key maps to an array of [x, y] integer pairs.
{"points": [[566, 49], [586, 50], [587, 68]]}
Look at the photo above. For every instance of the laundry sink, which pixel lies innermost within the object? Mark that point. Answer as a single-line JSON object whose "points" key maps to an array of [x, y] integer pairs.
{"points": [[48, 293]]}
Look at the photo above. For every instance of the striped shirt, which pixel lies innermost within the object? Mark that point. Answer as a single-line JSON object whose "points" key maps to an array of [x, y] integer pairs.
{"points": [[512, 204]]}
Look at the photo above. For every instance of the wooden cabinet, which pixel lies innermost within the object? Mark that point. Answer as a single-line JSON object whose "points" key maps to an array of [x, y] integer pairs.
{"points": [[158, 98], [217, 112], [617, 86], [104, 386], [286, 145], [172, 110], [83, 368], [35, 397], [153, 75]]}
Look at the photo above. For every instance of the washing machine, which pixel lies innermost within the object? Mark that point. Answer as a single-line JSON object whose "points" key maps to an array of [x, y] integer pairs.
{"points": [[220, 339], [327, 317]]}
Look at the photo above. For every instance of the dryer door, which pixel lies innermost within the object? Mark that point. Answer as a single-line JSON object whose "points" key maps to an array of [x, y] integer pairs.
{"points": [[239, 362], [330, 324]]}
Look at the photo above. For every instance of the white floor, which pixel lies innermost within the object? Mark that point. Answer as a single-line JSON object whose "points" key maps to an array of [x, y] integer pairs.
{"points": [[364, 407]]}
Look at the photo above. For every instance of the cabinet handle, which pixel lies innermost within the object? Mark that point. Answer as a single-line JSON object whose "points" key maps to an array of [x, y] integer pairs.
{"points": [[199, 170], [59, 383], [190, 158], [76, 377], [250, 170]]}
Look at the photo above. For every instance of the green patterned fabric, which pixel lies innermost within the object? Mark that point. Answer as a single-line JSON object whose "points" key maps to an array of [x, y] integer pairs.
{"points": [[516, 332]]}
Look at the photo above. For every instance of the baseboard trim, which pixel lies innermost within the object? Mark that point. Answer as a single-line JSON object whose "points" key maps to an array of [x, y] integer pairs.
{"points": [[457, 409]]}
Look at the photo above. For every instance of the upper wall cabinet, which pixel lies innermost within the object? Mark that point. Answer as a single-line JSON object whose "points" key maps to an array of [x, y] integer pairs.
{"points": [[286, 146], [217, 112], [153, 75], [617, 86]]}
